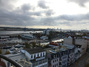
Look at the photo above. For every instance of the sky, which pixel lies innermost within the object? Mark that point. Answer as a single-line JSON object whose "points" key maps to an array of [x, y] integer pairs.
{"points": [[64, 14]]}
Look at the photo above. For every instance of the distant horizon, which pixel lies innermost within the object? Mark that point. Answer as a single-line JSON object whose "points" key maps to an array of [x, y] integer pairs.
{"points": [[46, 28]]}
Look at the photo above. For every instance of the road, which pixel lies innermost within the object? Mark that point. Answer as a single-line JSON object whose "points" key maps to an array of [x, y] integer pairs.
{"points": [[81, 61]]}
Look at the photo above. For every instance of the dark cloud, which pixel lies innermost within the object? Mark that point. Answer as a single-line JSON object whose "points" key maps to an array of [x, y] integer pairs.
{"points": [[10, 18], [26, 7], [80, 2], [42, 4]]}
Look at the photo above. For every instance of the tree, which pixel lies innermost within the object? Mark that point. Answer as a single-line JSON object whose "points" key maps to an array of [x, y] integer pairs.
{"points": [[19, 36], [33, 44], [7, 52], [27, 45]]}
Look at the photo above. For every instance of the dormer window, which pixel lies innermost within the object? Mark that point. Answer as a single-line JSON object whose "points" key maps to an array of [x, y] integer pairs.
{"points": [[38, 55], [41, 54]]}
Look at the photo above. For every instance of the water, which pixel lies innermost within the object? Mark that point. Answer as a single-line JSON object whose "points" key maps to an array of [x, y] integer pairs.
{"points": [[17, 32]]}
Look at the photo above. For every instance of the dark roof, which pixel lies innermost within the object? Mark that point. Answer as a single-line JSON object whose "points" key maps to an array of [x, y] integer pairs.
{"points": [[34, 50]]}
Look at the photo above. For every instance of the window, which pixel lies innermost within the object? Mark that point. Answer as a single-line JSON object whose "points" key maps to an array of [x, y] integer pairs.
{"points": [[34, 56], [53, 66], [57, 65], [54, 56], [43, 53], [53, 61], [38, 55]]}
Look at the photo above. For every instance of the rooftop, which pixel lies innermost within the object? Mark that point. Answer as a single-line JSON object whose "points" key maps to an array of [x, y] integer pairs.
{"points": [[34, 50]]}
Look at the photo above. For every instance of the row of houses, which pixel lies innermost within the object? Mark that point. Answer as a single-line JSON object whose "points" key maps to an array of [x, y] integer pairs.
{"points": [[62, 56], [57, 54], [44, 57]]}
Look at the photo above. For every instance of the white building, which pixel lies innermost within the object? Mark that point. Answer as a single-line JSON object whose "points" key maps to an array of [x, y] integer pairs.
{"points": [[37, 57]]}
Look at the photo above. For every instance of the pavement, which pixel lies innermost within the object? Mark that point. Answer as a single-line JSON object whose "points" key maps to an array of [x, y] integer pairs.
{"points": [[82, 61]]}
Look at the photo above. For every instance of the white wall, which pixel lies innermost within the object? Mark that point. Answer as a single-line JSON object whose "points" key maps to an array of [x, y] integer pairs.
{"points": [[67, 40]]}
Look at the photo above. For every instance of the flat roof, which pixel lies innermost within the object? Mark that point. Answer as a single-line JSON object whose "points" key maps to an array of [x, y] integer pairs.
{"points": [[34, 50]]}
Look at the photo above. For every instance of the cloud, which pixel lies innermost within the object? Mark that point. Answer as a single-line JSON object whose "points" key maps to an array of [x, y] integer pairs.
{"points": [[19, 18], [26, 16], [80, 2], [27, 7], [42, 4], [49, 12], [74, 17], [7, 4]]}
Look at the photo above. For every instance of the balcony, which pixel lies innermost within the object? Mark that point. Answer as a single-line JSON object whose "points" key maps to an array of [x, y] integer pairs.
{"points": [[39, 58], [40, 62]]}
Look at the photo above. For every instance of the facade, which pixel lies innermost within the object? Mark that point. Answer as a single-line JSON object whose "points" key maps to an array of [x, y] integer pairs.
{"points": [[53, 59], [63, 57], [77, 53], [71, 54]]}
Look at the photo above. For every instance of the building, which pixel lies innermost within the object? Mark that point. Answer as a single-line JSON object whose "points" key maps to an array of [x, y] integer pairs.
{"points": [[63, 56], [77, 53], [44, 38], [27, 36], [37, 57], [78, 42], [53, 58], [71, 54]]}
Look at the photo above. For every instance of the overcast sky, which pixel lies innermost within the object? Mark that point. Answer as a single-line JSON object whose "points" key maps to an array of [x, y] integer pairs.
{"points": [[64, 14]]}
